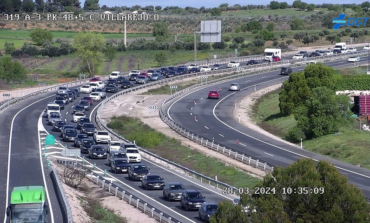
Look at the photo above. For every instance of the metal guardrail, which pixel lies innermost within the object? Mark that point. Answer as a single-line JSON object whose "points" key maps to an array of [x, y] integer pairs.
{"points": [[62, 194]]}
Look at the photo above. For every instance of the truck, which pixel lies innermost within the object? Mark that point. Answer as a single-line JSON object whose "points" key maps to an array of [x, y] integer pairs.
{"points": [[27, 204], [269, 53], [340, 46]]}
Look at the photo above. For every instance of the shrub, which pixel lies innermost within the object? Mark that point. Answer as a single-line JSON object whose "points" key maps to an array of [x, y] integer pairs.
{"points": [[245, 53], [17, 53], [115, 124]]}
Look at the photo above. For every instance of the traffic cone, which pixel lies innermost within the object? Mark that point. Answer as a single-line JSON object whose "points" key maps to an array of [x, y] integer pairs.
{"points": [[195, 118], [237, 141], [195, 102]]}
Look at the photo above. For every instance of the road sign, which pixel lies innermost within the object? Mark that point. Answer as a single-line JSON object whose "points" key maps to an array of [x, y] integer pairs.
{"points": [[6, 95], [153, 107], [203, 77], [210, 31], [173, 87], [82, 76]]}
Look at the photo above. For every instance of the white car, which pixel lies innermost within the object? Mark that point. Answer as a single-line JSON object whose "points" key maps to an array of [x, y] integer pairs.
{"points": [[354, 59], [95, 96], [312, 62], [93, 86], [234, 87], [205, 69], [352, 49], [134, 72], [193, 66], [114, 146], [77, 116], [233, 64], [102, 137], [367, 47], [328, 53], [298, 57], [114, 75], [345, 51], [85, 89], [133, 155], [62, 90], [100, 84], [101, 92]]}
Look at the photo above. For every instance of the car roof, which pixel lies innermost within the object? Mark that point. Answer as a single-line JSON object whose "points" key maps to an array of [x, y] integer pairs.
{"points": [[192, 191], [174, 183], [79, 113]]}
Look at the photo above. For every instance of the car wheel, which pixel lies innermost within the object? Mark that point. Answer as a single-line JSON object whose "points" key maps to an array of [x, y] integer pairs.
{"points": [[115, 171], [129, 177], [186, 207], [164, 196], [200, 216]]}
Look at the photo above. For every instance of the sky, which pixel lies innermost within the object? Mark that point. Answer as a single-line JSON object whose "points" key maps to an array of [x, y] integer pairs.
{"points": [[209, 3]]}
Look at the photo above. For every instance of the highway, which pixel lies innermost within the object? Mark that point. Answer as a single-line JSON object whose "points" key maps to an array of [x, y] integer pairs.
{"points": [[215, 121]]}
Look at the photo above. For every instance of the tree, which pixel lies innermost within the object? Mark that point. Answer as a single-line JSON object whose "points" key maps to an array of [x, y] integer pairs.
{"points": [[289, 41], [321, 34], [296, 4], [160, 58], [331, 38], [110, 52], [17, 5], [219, 45], [6, 6], [239, 40], [11, 71], [274, 5], [270, 26], [335, 200], [299, 36], [158, 7], [160, 29], [39, 36], [254, 25], [267, 35], [227, 212], [294, 93], [306, 40], [88, 48], [259, 42], [310, 7], [319, 75], [91, 5], [40, 5], [28, 6], [283, 5], [297, 24], [354, 36], [215, 12], [9, 47]]}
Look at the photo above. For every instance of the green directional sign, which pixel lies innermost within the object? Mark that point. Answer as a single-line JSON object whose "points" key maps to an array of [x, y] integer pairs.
{"points": [[49, 140]]}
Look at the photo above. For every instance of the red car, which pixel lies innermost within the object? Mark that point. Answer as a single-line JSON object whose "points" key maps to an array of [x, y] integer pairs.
{"points": [[214, 94], [89, 99], [275, 59], [145, 74], [94, 79]]}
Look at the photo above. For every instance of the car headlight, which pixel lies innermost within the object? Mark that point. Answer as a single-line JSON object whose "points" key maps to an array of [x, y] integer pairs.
{"points": [[118, 168], [149, 183], [208, 215], [190, 202], [105, 153], [162, 183], [172, 194], [94, 154], [135, 173]]}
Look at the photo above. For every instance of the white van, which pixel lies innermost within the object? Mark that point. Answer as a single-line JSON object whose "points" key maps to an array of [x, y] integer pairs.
{"points": [[52, 107], [114, 75]]}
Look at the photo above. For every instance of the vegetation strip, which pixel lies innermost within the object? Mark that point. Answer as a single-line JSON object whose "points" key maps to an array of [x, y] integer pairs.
{"points": [[169, 148]]}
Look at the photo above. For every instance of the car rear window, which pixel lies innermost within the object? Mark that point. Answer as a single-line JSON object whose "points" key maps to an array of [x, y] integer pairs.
{"points": [[103, 133]]}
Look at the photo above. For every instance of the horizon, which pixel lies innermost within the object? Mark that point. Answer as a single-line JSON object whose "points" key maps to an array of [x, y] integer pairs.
{"points": [[206, 3]]}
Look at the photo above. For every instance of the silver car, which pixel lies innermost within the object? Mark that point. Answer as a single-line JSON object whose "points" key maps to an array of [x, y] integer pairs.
{"points": [[101, 92], [234, 87], [141, 80]]}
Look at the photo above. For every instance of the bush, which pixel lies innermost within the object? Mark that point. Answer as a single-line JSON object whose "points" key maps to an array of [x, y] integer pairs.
{"points": [[295, 135], [245, 53], [17, 53], [220, 45], [234, 46], [30, 50], [360, 82], [147, 139], [115, 124]]}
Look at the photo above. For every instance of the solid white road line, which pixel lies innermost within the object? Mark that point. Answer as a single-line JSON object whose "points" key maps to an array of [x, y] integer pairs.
{"points": [[221, 135], [10, 152], [206, 127], [201, 99], [242, 144], [269, 154], [40, 127], [191, 113]]}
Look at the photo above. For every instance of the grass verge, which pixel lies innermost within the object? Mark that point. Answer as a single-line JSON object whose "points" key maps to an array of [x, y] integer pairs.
{"points": [[100, 214], [349, 145], [171, 149]]}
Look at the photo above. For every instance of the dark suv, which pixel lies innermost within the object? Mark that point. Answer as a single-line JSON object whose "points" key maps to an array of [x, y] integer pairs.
{"points": [[191, 199], [137, 171], [127, 84], [286, 70]]}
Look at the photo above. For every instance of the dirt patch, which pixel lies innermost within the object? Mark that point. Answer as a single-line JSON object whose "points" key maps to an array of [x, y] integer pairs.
{"points": [[244, 110]]}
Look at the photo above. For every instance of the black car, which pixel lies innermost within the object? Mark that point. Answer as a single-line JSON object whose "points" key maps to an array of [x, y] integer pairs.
{"points": [[58, 125], [173, 191], [87, 128], [286, 71], [336, 51], [251, 62], [314, 54], [69, 135], [119, 165], [82, 121], [217, 67], [86, 104], [152, 182], [111, 88], [191, 199], [112, 82], [127, 84], [71, 96], [66, 127], [73, 93], [137, 171], [182, 70], [207, 210], [60, 103], [79, 139], [304, 53], [97, 151], [194, 70], [77, 92], [133, 77], [60, 98], [78, 108], [65, 96], [172, 73], [120, 79], [86, 145]]}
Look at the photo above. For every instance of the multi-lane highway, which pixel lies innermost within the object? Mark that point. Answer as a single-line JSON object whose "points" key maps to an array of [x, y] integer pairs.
{"points": [[215, 120]]}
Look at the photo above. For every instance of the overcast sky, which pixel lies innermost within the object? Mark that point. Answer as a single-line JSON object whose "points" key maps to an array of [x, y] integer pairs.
{"points": [[209, 3]]}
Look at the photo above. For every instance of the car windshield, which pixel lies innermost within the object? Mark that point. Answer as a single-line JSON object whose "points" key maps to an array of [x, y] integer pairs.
{"points": [[114, 74], [28, 212], [132, 151], [134, 75], [195, 195], [84, 102], [284, 68], [99, 148], [79, 107], [61, 123], [85, 86], [88, 125], [154, 178], [234, 85], [115, 143], [216, 65], [117, 162], [93, 84], [88, 142], [213, 92], [87, 98], [70, 131], [141, 77], [78, 114], [176, 187], [52, 108], [140, 167], [55, 116], [82, 136], [120, 155], [103, 133], [99, 90], [212, 207]]}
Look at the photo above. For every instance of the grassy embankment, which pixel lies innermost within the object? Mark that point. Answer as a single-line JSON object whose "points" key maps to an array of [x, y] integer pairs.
{"points": [[348, 145], [170, 148]]}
